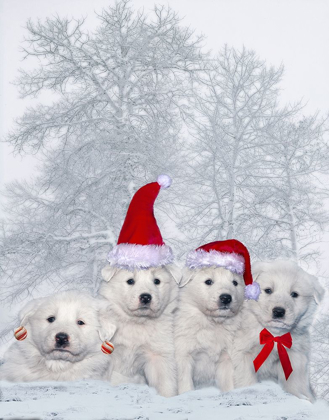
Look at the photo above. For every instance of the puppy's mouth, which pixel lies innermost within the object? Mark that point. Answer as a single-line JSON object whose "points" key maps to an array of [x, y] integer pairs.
{"points": [[221, 312], [62, 351], [59, 350], [225, 307], [224, 312], [279, 323], [143, 308]]}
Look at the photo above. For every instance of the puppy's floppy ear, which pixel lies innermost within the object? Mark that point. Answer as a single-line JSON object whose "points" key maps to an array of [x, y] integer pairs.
{"points": [[108, 272], [187, 276], [175, 272], [257, 268], [318, 290], [106, 327], [29, 310]]}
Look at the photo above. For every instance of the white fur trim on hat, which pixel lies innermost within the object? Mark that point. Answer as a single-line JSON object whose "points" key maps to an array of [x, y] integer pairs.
{"points": [[164, 181], [133, 256], [231, 261]]}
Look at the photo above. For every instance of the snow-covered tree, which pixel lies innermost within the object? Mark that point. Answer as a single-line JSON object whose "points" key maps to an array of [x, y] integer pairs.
{"points": [[235, 103], [114, 124], [320, 360], [254, 169], [286, 214]]}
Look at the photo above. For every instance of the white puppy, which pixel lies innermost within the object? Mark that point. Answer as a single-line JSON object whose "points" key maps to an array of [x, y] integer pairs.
{"points": [[204, 327], [64, 337], [141, 306], [287, 304]]}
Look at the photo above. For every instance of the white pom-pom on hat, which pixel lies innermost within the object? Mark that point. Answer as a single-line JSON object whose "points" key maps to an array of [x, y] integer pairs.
{"points": [[252, 291], [164, 181]]}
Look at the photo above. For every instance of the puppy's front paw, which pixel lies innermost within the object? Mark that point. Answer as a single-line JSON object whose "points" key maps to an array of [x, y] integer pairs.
{"points": [[168, 393], [182, 388], [308, 397]]}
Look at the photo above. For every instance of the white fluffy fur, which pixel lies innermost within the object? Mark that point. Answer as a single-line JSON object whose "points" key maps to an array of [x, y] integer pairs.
{"points": [[203, 331], [37, 359], [132, 256], [200, 258], [283, 277], [144, 346]]}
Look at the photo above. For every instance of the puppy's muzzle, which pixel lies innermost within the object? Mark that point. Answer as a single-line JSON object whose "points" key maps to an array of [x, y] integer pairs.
{"points": [[145, 299], [62, 340], [225, 300], [278, 312]]}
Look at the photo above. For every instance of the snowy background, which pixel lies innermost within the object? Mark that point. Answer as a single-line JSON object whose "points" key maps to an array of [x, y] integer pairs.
{"points": [[97, 98]]}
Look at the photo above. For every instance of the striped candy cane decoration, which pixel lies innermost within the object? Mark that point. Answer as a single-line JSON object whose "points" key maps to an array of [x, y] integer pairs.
{"points": [[20, 333], [107, 347]]}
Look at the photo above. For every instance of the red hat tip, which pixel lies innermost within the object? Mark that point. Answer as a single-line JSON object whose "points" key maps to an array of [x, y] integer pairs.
{"points": [[164, 181]]}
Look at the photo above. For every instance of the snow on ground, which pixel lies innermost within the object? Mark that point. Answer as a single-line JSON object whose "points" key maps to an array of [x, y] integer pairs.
{"points": [[97, 400]]}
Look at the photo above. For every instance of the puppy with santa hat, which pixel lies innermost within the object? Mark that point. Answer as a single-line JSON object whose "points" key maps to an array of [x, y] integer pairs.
{"points": [[216, 280], [140, 283]]}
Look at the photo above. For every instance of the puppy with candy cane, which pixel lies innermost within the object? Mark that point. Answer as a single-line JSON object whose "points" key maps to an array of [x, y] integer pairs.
{"points": [[273, 341], [140, 282], [216, 279], [63, 337]]}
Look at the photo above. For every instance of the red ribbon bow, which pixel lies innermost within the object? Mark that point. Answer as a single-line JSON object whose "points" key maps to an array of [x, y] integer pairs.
{"points": [[285, 340]]}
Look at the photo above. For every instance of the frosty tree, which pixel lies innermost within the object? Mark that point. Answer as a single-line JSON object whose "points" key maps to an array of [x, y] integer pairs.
{"points": [[138, 97], [254, 172], [235, 102], [113, 125], [320, 363], [286, 213]]}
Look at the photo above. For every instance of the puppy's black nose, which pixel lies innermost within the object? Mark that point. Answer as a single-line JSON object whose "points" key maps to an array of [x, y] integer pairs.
{"points": [[278, 312], [145, 298], [225, 298], [62, 339]]}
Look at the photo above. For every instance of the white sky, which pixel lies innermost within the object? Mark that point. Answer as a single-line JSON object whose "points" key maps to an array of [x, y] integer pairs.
{"points": [[292, 32]]}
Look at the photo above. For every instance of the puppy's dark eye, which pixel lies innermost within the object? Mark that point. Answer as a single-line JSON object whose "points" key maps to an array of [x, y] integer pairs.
{"points": [[235, 282], [209, 282], [294, 294], [156, 281], [79, 322], [268, 291], [51, 319], [131, 281]]}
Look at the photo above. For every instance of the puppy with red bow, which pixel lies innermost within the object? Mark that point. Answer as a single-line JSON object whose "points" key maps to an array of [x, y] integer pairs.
{"points": [[273, 342]]}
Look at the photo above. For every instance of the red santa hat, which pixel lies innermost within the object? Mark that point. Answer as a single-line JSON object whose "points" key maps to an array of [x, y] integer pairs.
{"points": [[230, 254], [140, 244]]}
